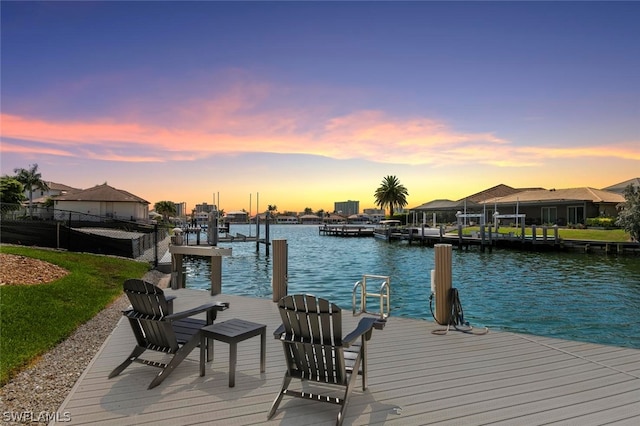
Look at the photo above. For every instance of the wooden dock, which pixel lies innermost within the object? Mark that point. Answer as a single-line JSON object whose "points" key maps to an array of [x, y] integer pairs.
{"points": [[516, 242], [346, 230], [415, 378]]}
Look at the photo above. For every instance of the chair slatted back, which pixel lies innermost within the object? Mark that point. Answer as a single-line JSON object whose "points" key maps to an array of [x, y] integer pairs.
{"points": [[147, 319], [313, 338]]}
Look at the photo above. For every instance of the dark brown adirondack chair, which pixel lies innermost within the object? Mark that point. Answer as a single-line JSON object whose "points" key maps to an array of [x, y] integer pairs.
{"points": [[311, 334], [157, 328]]}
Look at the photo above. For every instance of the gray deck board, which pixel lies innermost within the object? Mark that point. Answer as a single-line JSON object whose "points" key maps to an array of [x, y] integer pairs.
{"points": [[415, 377]]}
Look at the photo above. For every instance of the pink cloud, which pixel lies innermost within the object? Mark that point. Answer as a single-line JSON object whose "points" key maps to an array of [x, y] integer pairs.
{"points": [[237, 121]]}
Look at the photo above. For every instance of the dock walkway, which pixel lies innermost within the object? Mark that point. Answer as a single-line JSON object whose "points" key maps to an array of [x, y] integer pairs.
{"points": [[415, 378], [346, 230]]}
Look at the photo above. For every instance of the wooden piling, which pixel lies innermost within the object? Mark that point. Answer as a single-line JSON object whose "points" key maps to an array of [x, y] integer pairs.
{"points": [[443, 281], [279, 280]]}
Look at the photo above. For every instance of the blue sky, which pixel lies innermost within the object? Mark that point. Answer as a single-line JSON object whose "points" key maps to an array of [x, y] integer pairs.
{"points": [[309, 103]]}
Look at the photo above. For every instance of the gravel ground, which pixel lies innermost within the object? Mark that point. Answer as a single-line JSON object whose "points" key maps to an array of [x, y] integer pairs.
{"points": [[34, 395]]}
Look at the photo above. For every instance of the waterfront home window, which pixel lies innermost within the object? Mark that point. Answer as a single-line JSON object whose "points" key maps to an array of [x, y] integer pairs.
{"points": [[575, 214], [549, 215]]}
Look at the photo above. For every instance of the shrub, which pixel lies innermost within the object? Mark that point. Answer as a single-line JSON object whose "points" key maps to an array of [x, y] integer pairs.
{"points": [[601, 222]]}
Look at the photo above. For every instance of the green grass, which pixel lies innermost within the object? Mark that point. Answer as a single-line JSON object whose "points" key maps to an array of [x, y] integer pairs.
{"points": [[612, 235], [34, 318]]}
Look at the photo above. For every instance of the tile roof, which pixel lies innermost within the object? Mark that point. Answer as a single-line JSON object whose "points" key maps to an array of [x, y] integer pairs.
{"points": [[60, 187], [102, 192], [501, 190], [559, 195], [446, 205], [620, 187]]}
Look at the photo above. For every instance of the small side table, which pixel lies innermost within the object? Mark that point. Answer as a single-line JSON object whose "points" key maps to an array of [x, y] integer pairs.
{"points": [[233, 331]]}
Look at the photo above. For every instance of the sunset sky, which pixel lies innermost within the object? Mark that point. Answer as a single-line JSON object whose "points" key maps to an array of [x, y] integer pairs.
{"points": [[308, 103]]}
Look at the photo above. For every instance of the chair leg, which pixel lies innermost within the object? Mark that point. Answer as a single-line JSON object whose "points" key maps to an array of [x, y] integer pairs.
{"points": [[363, 355], [347, 392], [176, 360], [137, 351], [285, 384]]}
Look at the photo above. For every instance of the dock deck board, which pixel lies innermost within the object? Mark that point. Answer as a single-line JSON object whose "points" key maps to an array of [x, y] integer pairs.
{"points": [[415, 377]]}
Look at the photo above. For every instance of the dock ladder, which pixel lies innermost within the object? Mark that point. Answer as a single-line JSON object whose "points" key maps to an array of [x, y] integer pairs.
{"points": [[383, 296]]}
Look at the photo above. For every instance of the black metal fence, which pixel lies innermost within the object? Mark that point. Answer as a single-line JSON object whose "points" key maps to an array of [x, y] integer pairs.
{"points": [[87, 233]]}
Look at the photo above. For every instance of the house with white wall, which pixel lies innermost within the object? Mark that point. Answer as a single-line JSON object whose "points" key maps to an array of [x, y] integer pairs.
{"points": [[40, 209], [102, 201]]}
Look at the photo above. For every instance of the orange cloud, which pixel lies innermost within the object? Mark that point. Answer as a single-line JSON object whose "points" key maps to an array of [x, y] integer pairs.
{"points": [[627, 151]]}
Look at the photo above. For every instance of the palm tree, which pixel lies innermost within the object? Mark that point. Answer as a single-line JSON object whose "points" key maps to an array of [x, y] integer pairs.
{"points": [[31, 179], [166, 209], [391, 193]]}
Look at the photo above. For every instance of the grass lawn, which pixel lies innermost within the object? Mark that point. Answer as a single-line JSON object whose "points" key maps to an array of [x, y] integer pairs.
{"points": [[34, 318], [612, 235]]}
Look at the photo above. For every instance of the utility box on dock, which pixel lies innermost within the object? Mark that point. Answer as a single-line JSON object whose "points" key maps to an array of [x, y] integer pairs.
{"points": [[443, 282], [177, 238]]}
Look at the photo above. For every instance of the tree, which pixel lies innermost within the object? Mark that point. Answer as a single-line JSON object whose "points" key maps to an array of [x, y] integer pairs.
{"points": [[11, 194], [31, 179], [166, 209], [391, 193], [308, 210], [629, 216]]}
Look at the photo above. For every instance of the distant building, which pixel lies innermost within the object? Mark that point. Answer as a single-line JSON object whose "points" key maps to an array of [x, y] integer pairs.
{"points": [[346, 208], [204, 208], [376, 215], [310, 219], [282, 219], [236, 217], [181, 209]]}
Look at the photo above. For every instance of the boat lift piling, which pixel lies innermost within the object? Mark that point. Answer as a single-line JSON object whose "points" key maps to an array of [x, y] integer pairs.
{"points": [[442, 282], [280, 278]]}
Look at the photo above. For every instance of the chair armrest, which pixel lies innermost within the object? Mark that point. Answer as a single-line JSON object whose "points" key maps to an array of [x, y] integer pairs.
{"points": [[170, 300], [278, 333], [218, 306], [364, 327]]}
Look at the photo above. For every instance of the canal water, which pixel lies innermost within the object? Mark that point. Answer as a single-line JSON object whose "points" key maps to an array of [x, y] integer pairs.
{"points": [[576, 296]]}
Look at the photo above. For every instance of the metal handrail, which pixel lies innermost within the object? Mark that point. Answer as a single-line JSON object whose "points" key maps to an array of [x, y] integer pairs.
{"points": [[384, 295]]}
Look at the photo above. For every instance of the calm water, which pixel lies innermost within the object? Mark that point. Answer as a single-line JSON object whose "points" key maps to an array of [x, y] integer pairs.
{"points": [[567, 295]]}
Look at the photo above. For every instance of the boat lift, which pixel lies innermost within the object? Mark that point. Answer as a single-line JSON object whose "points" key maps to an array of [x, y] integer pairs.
{"points": [[383, 296]]}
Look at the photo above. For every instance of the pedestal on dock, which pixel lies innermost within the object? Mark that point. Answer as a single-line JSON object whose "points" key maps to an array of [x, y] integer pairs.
{"points": [[215, 253]]}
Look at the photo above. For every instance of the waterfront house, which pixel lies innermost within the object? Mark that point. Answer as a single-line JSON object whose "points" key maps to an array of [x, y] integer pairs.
{"points": [[101, 201], [310, 219], [334, 218], [562, 207], [286, 220], [445, 210], [359, 219], [236, 217]]}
